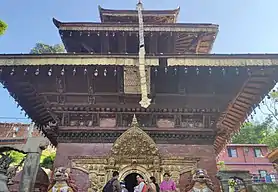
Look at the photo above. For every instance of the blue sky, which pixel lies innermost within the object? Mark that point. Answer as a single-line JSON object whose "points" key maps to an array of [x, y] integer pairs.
{"points": [[246, 26]]}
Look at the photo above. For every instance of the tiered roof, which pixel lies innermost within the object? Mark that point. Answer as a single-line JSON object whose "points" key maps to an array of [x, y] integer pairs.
{"points": [[130, 16]]}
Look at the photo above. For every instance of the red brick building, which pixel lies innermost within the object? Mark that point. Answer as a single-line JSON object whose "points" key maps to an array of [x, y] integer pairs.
{"points": [[16, 130], [251, 157]]}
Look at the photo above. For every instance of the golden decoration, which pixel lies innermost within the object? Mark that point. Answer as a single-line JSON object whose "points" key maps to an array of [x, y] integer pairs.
{"points": [[134, 143], [133, 152]]}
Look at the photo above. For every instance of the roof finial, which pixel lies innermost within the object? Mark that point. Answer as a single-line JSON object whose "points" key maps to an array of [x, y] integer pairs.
{"points": [[134, 122]]}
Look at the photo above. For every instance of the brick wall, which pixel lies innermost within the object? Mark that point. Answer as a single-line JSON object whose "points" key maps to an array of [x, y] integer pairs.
{"points": [[205, 152], [8, 130]]}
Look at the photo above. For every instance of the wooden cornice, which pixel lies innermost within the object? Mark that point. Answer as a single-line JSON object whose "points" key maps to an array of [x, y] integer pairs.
{"points": [[219, 60], [203, 137], [113, 27]]}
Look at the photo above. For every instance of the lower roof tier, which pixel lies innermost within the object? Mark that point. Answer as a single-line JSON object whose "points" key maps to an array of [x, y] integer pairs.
{"points": [[123, 38], [229, 86]]}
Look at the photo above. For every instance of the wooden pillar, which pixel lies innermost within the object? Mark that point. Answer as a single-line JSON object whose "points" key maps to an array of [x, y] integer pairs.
{"points": [[105, 42], [122, 42], [153, 43], [120, 83]]}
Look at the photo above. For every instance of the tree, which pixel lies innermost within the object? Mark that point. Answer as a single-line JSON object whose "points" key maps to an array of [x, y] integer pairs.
{"points": [[46, 160], [258, 133], [271, 105], [41, 48], [3, 27]]}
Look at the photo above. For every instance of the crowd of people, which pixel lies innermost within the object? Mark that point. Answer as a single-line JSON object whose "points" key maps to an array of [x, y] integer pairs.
{"points": [[167, 185]]}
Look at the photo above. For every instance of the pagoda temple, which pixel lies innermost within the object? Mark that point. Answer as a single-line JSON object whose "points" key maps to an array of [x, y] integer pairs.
{"points": [[138, 93]]}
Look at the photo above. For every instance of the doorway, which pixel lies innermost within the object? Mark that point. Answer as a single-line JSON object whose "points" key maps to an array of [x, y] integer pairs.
{"points": [[131, 181]]}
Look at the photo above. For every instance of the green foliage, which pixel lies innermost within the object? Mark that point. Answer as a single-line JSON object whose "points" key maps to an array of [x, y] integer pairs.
{"points": [[16, 157], [47, 159], [221, 165], [41, 48], [3, 27], [271, 105], [258, 133]]}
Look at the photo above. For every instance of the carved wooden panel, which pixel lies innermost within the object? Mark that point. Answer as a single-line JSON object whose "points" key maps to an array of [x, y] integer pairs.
{"points": [[132, 80]]}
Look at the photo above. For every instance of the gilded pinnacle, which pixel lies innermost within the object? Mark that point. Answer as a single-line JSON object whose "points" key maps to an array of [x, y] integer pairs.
{"points": [[134, 122]]}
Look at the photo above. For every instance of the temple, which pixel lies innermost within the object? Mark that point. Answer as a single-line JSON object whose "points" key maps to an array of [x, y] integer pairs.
{"points": [[138, 93]]}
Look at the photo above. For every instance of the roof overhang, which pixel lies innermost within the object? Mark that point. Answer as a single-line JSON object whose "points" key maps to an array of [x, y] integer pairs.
{"points": [[251, 93], [273, 155], [113, 27], [217, 60]]}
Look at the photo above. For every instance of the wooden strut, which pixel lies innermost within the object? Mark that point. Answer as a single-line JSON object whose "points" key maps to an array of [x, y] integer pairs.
{"points": [[145, 101]]}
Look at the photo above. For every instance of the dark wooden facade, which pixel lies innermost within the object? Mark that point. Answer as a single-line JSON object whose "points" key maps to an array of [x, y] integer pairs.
{"points": [[198, 104], [84, 95]]}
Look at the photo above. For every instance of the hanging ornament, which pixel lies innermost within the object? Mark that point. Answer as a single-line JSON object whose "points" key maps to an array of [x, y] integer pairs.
{"points": [[25, 71], [223, 71], [74, 71], [197, 71], [96, 73], [63, 71], [249, 72], [165, 70], [115, 71], [85, 71], [37, 72], [262, 71], [237, 71], [49, 73], [89, 34], [185, 70], [210, 71], [155, 71], [105, 72], [12, 72], [175, 71]]}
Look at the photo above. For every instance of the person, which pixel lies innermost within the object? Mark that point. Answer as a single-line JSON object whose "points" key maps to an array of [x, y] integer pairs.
{"points": [[142, 187], [123, 186], [154, 187], [136, 188], [113, 185], [167, 185]]}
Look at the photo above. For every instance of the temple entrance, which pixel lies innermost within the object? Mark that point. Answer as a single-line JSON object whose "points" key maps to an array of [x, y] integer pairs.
{"points": [[131, 181]]}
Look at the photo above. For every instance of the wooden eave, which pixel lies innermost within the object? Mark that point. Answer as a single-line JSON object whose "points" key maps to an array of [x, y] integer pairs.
{"points": [[253, 90], [133, 13], [273, 155], [205, 137], [224, 60], [113, 27]]}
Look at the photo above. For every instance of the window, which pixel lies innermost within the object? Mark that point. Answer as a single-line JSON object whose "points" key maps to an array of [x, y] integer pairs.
{"points": [[232, 152], [258, 152], [262, 173]]}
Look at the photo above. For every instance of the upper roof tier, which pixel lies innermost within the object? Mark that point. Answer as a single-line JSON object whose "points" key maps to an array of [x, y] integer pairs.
{"points": [[131, 16]]}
